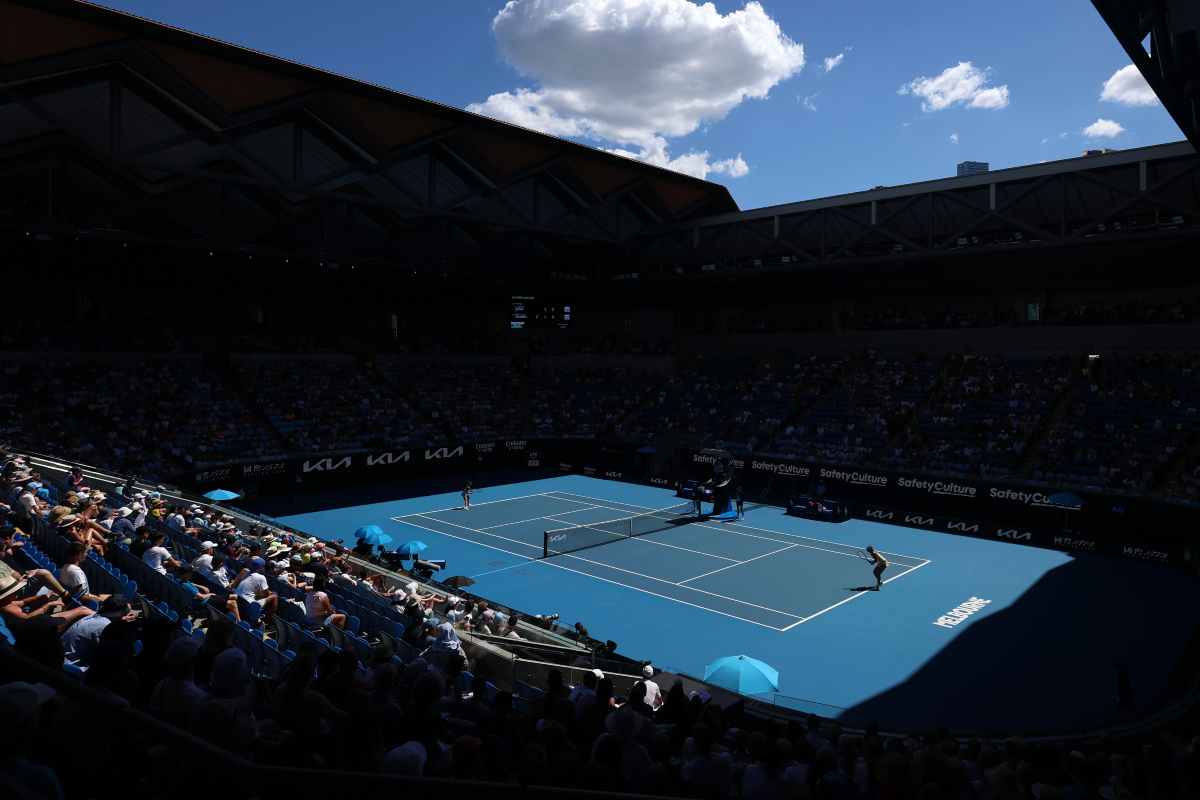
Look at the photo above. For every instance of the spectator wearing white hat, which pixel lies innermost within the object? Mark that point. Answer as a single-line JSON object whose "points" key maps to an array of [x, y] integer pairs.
{"points": [[203, 562], [122, 527], [654, 697]]}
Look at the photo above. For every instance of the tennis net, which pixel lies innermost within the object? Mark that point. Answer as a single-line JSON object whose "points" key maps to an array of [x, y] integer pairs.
{"points": [[593, 534]]}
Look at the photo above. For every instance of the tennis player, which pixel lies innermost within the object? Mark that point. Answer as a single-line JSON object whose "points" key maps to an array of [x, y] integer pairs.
{"points": [[740, 501], [881, 563], [699, 493], [467, 497]]}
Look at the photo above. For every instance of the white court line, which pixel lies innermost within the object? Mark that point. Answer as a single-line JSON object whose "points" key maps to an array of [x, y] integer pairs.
{"points": [[488, 503], [531, 519], [726, 525], [475, 530], [590, 575], [737, 600], [738, 564], [571, 526], [724, 528], [505, 569], [851, 597]]}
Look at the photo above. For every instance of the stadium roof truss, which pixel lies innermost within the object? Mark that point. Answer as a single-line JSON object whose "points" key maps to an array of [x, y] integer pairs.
{"points": [[1162, 38], [110, 123], [1151, 191]]}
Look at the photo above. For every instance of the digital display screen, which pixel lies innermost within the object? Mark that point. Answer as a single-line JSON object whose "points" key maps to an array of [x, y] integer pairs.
{"points": [[529, 312]]}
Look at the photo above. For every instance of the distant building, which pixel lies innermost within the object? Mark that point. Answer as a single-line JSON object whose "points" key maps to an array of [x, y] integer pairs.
{"points": [[972, 168], [1098, 152]]}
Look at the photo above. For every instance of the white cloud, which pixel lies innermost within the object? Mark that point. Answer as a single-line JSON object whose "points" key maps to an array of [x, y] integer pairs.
{"points": [[695, 163], [636, 73], [963, 84], [808, 101], [1129, 88], [832, 62], [1064, 135], [1103, 129], [954, 138], [1045, 139]]}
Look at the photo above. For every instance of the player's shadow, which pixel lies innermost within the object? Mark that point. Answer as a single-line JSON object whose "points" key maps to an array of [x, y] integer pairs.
{"points": [[1048, 661], [861, 589]]}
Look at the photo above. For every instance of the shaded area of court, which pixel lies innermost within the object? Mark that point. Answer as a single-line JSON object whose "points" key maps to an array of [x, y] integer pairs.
{"points": [[1042, 655]]}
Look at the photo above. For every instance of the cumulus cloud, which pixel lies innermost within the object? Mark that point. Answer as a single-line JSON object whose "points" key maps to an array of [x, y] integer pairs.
{"points": [[1103, 129], [1129, 88], [832, 62], [964, 84], [695, 163], [809, 101], [954, 138], [636, 73]]}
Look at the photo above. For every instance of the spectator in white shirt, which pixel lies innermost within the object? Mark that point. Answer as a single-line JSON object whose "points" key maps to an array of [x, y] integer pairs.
{"points": [[30, 504], [203, 562], [654, 697], [157, 556], [81, 638], [252, 588], [74, 578]]}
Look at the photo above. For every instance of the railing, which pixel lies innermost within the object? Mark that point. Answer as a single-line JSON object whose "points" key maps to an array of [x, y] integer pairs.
{"points": [[533, 671], [783, 701]]}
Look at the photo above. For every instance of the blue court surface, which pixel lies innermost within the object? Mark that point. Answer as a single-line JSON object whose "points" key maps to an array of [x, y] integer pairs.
{"points": [[1043, 652]]}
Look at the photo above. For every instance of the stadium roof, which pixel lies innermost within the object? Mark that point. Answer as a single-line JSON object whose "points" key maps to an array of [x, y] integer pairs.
{"points": [[117, 123], [1148, 192], [1162, 37]]}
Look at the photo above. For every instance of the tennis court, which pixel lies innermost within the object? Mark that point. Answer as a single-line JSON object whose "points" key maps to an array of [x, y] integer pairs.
{"points": [[737, 570], [792, 592]]}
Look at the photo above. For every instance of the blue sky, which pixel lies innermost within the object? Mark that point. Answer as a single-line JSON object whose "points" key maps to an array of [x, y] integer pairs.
{"points": [[738, 93]]}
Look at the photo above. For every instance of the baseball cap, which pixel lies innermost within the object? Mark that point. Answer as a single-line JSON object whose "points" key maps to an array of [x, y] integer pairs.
{"points": [[206, 545], [257, 563], [648, 671]]}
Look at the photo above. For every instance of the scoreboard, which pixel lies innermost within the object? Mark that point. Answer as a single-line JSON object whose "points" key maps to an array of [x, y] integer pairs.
{"points": [[531, 313]]}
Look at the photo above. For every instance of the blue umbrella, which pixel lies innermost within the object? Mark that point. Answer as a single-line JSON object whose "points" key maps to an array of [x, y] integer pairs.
{"points": [[742, 674], [377, 538], [410, 549], [221, 494], [373, 535], [367, 530]]}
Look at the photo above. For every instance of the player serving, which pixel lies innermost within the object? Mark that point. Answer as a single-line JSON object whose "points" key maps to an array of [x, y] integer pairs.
{"points": [[876, 558], [467, 497]]}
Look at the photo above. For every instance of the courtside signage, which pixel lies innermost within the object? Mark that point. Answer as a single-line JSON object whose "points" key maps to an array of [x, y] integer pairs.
{"points": [[855, 478], [942, 488], [961, 612]]}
